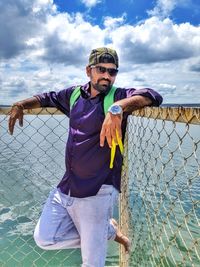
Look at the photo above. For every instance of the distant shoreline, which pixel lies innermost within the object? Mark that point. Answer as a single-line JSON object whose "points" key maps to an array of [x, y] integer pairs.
{"points": [[163, 105]]}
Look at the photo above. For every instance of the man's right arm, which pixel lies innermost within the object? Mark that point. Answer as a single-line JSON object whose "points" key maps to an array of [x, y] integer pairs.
{"points": [[59, 100], [17, 113]]}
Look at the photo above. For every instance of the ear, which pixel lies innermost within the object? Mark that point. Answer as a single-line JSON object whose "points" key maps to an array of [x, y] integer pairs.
{"points": [[88, 71]]}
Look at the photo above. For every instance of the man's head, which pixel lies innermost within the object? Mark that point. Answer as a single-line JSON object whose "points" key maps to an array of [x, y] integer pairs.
{"points": [[102, 68]]}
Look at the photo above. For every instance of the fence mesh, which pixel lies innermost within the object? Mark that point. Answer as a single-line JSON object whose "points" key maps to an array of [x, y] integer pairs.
{"points": [[161, 188], [32, 162], [160, 201]]}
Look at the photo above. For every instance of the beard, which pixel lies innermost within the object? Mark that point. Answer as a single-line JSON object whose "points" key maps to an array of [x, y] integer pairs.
{"points": [[102, 87]]}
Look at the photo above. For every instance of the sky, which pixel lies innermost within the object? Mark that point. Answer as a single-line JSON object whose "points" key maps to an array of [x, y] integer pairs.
{"points": [[45, 45]]}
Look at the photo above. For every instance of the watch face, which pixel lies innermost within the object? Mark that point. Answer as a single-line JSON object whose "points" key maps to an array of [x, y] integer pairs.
{"points": [[115, 109]]}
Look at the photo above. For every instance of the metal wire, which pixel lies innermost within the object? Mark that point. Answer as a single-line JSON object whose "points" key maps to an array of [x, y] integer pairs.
{"points": [[160, 188], [159, 206], [31, 164], [32, 161]]}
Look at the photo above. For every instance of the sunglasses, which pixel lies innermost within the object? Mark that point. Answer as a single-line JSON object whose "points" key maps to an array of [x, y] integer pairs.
{"points": [[111, 71]]}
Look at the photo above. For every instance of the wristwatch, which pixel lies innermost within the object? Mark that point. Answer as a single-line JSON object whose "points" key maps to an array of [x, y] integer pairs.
{"points": [[115, 109]]}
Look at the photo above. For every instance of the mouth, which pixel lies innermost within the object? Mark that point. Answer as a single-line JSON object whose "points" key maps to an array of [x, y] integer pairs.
{"points": [[104, 82], [102, 86]]}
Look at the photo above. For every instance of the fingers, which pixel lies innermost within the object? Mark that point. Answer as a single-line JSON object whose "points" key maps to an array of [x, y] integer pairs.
{"points": [[105, 135], [109, 138], [102, 136], [113, 134], [11, 125], [14, 115], [111, 125], [119, 130], [119, 141], [21, 120]]}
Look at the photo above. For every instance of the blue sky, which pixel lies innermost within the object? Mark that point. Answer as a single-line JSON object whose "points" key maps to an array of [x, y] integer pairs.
{"points": [[44, 45], [136, 10]]}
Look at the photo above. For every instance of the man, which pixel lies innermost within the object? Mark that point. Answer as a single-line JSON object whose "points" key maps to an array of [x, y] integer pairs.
{"points": [[78, 213]]}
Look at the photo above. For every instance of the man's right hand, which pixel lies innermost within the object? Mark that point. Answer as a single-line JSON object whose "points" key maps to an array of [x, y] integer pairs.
{"points": [[16, 113]]}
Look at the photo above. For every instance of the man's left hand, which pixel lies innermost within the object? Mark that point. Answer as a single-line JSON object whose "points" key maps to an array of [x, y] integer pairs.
{"points": [[108, 131]]}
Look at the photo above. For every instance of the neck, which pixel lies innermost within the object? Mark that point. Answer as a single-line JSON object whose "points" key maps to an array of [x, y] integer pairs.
{"points": [[93, 92]]}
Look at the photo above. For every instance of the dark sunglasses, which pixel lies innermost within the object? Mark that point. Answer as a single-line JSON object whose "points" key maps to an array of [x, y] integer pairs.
{"points": [[111, 71]]}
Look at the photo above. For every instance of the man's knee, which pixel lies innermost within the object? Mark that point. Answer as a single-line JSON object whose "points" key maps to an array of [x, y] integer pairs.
{"points": [[41, 241]]}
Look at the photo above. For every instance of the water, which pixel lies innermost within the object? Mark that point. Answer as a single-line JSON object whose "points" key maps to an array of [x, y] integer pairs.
{"points": [[31, 164], [164, 159]]}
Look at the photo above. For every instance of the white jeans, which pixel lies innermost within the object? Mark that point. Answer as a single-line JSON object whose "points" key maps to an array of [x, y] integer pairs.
{"points": [[68, 222]]}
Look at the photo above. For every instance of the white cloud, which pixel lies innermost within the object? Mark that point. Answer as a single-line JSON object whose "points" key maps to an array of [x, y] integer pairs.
{"points": [[164, 8], [36, 30], [20, 23], [90, 3], [44, 5], [42, 49], [195, 66], [157, 40], [66, 38], [110, 22], [169, 87]]}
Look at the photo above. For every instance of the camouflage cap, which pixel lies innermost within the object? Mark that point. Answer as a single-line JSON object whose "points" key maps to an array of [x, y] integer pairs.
{"points": [[98, 52]]}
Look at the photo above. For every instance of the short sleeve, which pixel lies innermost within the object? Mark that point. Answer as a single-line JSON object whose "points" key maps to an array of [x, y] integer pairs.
{"points": [[59, 100]]}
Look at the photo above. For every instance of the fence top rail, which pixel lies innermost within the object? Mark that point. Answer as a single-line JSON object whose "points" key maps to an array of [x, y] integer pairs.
{"points": [[189, 115], [37, 111]]}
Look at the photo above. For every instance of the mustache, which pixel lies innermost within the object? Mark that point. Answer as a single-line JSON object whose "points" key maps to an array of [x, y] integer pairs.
{"points": [[104, 79]]}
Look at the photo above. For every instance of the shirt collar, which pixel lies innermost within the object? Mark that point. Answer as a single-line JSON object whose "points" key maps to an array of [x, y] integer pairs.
{"points": [[85, 90]]}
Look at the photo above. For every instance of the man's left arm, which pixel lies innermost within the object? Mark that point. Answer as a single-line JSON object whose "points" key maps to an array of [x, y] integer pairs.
{"points": [[138, 100]]}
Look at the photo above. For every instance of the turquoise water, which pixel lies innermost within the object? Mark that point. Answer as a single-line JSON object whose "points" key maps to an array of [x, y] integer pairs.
{"points": [[31, 164], [164, 193], [164, 208]]}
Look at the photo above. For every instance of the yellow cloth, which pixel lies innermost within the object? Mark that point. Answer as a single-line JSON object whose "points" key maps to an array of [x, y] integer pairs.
{"points": [[113, 149]]}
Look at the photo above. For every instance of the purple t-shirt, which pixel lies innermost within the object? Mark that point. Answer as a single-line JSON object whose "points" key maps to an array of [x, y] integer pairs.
{"points": [[87, 164]]}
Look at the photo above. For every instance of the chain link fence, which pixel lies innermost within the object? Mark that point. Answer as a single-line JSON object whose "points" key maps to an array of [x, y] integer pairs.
{"points": [[159, 207], [32, 162], [161, 188]]}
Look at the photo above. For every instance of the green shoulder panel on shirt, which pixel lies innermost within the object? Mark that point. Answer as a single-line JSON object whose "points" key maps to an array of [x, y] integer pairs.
{"points": [[109, 99], [74, 96]]}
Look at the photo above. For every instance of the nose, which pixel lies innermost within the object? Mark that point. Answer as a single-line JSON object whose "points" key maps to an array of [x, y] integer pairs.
{"points": [[106, 75]]}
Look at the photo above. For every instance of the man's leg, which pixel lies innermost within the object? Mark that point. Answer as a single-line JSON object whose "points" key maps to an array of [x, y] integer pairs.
{"points": [[91, 217], [55, 228], [119, 237]]}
